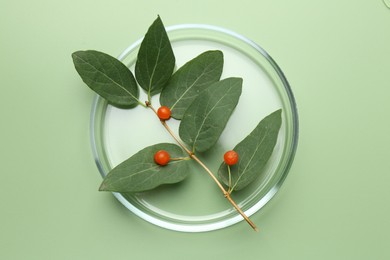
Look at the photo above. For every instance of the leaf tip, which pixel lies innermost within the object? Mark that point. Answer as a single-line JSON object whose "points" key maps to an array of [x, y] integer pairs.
{"points": [[103, 187], [216, 52], [278, 112], [158, 20], [75, 55]]}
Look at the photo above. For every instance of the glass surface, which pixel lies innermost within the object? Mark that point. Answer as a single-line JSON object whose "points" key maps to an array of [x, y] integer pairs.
{"points": [[197, 204]]}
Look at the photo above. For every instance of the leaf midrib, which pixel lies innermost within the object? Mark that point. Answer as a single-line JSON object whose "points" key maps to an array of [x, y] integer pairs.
{"points": [[204, 119], [140, 172], [154, 68], [250, 160]]}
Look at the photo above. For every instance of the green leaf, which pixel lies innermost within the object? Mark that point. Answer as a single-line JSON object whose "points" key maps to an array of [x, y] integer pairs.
{"points": [[254, 152], [108, 77], [207, 116], [192, 78], [155, 60], [141, 173]]}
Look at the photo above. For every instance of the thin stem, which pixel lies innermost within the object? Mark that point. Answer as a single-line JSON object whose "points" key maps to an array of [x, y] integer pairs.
{"points": [[148, 104], [142, 104], [193, 156], [176, 139], [230, 179], [181, 159], [169, 130], [227, 195]]}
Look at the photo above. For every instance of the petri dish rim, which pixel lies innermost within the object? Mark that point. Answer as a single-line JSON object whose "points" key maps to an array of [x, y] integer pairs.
{"points": [[97, 119]]}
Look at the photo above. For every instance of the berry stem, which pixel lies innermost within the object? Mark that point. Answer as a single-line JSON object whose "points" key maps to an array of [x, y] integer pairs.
{"points": [[194, 157], [181, 159], [230, 179]]}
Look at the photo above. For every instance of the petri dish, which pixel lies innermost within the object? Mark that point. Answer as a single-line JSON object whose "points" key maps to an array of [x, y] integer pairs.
{"points": [[197, 204]]}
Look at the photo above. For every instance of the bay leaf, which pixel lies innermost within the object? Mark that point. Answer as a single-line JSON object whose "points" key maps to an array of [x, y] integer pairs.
{"points": [[206, 117], [155, 60], [108, 77], [141, 173], [189, 80], [254, 152]]}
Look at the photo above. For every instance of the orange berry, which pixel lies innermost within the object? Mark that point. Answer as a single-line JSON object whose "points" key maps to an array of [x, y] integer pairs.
{"points": [[164, 113], [162, 157], [230, 157]]}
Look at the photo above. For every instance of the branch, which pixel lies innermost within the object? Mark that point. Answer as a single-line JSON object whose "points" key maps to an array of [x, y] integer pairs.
{"points": [[194, 157]]}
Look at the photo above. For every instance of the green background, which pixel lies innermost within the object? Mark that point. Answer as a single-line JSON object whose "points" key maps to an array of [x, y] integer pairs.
{"points": [[333, 205]]}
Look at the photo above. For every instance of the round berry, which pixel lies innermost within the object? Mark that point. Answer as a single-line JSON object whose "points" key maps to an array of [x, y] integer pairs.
{"points": [[162, 157], [230, 157], [164, 113]]}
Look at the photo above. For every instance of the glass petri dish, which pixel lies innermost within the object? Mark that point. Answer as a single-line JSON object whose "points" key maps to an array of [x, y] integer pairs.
{"points": [[197, 204]]}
